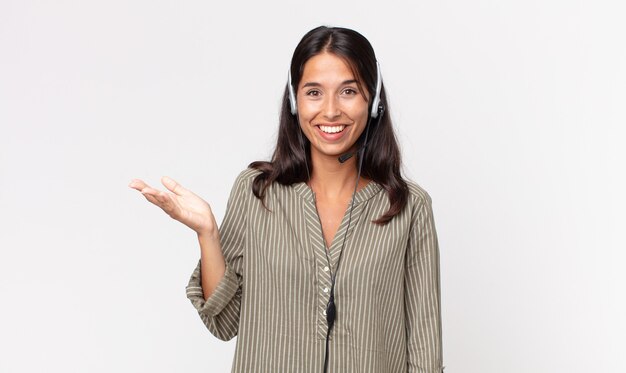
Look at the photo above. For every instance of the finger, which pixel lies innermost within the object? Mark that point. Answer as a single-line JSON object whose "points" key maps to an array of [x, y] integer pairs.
{"points": [[149, 190], [137, 184], [165, 199], [162, 200], [152, 199], [168, 204], [173, 186]]}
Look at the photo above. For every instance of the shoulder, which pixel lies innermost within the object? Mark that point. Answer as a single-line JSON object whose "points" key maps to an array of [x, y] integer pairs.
{"points": [[242, 186], [419, 204], [246, 176], [247, 185], [418, 196]]}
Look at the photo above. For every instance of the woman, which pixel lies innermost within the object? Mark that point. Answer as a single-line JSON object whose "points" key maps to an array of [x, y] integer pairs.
{"points": [[327, 259]]}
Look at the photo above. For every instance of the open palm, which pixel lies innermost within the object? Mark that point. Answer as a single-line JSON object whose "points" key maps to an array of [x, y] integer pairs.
{"points": [[180, 204]]}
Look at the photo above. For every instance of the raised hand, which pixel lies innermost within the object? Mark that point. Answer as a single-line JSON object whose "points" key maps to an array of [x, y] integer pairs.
{"points": [[181, 204]]}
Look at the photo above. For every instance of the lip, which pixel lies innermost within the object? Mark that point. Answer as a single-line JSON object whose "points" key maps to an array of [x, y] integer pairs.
{"points": [[331, 136]]}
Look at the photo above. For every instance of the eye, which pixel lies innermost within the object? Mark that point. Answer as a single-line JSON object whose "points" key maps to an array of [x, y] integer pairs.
{"points": [[313, 93], [350, 91]]}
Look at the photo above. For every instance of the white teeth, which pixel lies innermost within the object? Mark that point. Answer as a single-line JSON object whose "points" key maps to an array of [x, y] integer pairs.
{"points": [[332, 129]]}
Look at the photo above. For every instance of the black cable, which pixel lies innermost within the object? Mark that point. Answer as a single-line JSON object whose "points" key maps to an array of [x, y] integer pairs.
{"points": [[331, 309]]}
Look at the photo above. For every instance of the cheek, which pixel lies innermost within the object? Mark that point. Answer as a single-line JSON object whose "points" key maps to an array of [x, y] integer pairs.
{"points": [[306, 129], [304, 120], [306, 113], [360, 114], [357, 109]]}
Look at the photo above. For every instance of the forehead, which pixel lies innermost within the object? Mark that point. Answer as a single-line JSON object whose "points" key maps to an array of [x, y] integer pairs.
{"points": [[326, 68]]}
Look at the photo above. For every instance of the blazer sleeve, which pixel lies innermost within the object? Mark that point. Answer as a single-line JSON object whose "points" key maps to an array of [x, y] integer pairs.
{"points": [[220, 313], [422, 293]]}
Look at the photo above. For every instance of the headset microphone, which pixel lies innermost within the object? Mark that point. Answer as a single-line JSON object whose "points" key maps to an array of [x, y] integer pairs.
{"points": [[344, 157]]}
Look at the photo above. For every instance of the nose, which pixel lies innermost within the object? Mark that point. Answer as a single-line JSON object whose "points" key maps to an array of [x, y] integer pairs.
{"points": [[331, 108]]}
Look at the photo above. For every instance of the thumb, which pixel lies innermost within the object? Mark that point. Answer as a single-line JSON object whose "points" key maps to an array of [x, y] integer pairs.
{"points": [[173, 186]]}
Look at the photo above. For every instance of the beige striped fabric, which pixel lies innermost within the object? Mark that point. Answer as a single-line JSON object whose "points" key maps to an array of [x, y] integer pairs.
{"points": [[274, 293]]}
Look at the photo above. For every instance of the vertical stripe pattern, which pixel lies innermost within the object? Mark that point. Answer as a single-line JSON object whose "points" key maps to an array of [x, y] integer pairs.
{"points": [[276, 286]]}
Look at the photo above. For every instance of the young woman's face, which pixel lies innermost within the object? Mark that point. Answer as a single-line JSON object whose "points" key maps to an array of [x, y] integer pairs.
{"points": [[332, 110]]}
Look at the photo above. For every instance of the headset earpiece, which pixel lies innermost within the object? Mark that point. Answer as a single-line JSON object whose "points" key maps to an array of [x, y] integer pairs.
{"points": [[292, 96], [376, 106]]}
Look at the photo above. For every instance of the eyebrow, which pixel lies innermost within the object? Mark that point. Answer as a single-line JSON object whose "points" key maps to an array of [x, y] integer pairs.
{"points": [[315, 84]]}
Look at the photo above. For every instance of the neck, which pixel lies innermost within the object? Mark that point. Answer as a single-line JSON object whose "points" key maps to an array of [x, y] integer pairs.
{"points": [[332, 179]]}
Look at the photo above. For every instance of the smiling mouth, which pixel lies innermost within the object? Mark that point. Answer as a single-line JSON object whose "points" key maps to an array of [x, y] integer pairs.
{"points": [[332, 129]]}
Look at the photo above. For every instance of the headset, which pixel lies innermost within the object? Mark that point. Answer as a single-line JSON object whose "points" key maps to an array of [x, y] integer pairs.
{"points": [[377, 112], [376, 105]]}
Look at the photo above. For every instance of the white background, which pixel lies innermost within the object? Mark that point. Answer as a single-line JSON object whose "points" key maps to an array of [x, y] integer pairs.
{"points": [[510, 113]]}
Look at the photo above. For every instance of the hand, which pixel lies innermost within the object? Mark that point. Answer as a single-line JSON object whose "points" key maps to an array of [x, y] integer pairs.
{"points": [[182, 205]]}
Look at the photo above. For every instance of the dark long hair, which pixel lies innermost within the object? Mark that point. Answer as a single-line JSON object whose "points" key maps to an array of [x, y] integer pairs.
{"points": [[381, 159]]}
